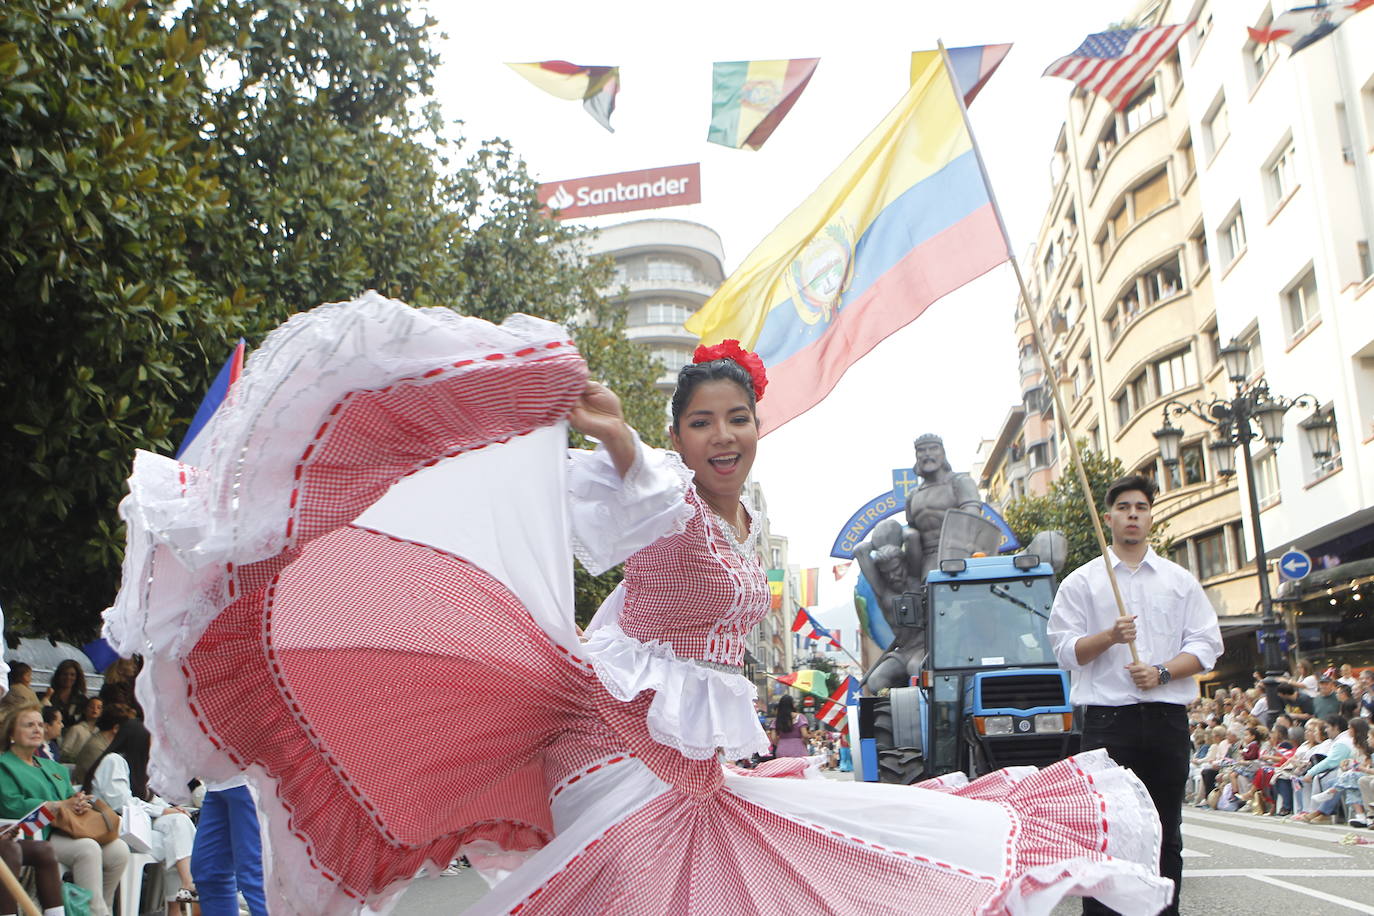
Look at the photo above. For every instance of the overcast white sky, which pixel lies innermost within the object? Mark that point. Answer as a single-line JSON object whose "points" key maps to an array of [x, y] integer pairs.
{"points": [[953, 371]]}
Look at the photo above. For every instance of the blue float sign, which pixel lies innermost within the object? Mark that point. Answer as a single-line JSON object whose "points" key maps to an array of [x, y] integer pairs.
{"points": [[1294, 565]]}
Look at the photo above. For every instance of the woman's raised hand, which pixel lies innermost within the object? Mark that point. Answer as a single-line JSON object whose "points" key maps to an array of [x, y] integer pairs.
{"points": [[597, 413]]}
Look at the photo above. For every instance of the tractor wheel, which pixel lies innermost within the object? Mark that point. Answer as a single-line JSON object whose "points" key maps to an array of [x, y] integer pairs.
{"points": [[900, 765]]}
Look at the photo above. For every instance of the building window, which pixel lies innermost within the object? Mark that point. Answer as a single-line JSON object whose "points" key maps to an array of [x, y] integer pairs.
{"points": [[1279, 176], [1260, 57], [672, 358], [1197, 244], [1143, 109], [1123, 409], [1106, 142], [1266, 478], [1180, 555], [1254, 353], [1140, 390], [1212, 339], [1300, 311], [1174, 373], [1325, 464], [1191, 464], [1201, 29], [1095, 439], [1211, 554], [1150, 194], [1231, 237], [1088, 364], [1242, 546], [674, 313], [671, 270], [1216, 126], [1162, 282], [1186, 158]]}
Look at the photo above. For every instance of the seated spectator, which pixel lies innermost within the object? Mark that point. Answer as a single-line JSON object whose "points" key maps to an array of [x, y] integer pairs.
{"points": [[1347, 676], [1306, 677], [1364, 692], [1349, 757], [52, 732], [119, 684], [105, 728], [76, 735], [67, 691], [38, 855], [1286, 782], [27, 781], [21, 676], [1350, 707], [1217, 758], [120, 778]]}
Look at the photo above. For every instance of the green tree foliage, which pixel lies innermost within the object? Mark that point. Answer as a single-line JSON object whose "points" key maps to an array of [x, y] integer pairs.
{"points": [[177, 175], [1064, 509]]}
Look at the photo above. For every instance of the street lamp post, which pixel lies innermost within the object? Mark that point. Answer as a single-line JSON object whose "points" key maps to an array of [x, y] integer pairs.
{"points": [[1234, 421]]}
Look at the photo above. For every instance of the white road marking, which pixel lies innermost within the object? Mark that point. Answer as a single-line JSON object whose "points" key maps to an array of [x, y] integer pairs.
{"points": [[1320, 895], [1279, 873], [1194, 854], [1258, 845], [1244, 823]]}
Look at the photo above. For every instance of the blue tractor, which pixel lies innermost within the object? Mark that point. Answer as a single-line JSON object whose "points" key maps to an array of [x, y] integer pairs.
{"points": [[990, 693]]}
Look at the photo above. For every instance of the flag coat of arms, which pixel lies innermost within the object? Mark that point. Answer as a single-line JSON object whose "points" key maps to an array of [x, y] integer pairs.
{"points": [[749, 98], [906, 219], [595, 86]]}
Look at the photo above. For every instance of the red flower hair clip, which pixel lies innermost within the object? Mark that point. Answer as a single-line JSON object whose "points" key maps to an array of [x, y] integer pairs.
{"points": [[731, 349]]}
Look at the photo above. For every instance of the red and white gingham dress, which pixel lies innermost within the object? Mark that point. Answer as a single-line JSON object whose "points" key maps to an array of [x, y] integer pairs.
{"points": [[358, 590]]}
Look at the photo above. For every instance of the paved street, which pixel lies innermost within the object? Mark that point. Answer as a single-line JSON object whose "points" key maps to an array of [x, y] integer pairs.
{"points": [[1233, 863]]}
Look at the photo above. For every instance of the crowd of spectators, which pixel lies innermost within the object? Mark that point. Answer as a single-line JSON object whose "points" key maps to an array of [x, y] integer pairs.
{"points": [[1309, 759]]}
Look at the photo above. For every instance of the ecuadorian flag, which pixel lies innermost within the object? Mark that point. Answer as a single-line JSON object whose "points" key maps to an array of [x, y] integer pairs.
{"points": [[906, 219]]}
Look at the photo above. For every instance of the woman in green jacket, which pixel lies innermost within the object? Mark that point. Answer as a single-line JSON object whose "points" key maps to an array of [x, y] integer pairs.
{"points": [[27, 781]]}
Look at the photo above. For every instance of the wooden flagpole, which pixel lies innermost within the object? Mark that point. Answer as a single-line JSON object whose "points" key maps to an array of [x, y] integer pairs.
{"points": [[1061, 413]]}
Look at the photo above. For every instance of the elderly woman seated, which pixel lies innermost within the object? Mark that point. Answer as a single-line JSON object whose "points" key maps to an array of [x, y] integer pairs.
{"points": [[120, 777]]}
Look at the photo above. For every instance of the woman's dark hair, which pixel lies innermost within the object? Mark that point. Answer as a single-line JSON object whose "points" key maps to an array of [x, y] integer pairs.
{"points": [[1131, 482], [18, 670], [78, 684], [1337, 724], [50, 713], [693, 375], [1361, 729], [113, 714], [785, 711], [132, 743]]}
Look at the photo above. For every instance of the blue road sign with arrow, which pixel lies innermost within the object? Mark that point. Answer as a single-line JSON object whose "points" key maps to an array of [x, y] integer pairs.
{"points": [[1294, 564]]}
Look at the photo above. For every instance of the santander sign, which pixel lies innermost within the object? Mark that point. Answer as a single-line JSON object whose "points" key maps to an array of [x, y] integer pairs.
{"points": [[646, 189]]}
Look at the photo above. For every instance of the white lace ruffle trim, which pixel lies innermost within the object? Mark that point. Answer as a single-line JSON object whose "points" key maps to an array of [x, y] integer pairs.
{"points": [[612, 517], [695, 710]]}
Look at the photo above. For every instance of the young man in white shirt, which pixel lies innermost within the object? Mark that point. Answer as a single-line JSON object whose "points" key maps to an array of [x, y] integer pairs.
{"points": [[1137, 710]]}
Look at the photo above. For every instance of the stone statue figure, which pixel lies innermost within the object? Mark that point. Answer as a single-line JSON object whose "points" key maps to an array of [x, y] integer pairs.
{"points": [[941, 489], [886, 560], [896, 557]]}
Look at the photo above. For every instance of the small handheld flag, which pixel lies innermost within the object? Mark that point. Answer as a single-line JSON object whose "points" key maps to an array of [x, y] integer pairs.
{"points": [[31, 825], [219, 389], [807, 679], [832, 713], [1113, 64]]}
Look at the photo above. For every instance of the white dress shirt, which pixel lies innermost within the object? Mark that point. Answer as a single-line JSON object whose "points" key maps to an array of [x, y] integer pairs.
{"points": [[1172, 616]]}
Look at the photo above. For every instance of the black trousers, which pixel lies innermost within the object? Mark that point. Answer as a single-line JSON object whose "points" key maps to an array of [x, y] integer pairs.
{"points": [[1150, 739]]}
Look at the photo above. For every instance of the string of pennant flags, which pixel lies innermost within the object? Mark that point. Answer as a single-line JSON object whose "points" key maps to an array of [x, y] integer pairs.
{"points": [[750, 98]]}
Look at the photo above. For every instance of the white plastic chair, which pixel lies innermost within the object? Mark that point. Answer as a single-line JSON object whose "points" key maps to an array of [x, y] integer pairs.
{"points": [[131, 885]]}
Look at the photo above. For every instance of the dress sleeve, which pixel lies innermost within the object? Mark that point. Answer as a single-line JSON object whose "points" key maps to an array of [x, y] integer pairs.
{"points": [[613, 518]]}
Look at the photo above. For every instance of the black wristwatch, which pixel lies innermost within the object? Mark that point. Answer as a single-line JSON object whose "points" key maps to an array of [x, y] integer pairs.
{"points": [[1164, 675]]}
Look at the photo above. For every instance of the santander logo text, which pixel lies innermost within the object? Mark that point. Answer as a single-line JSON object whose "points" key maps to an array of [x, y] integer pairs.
{"points": [[669, 186]]}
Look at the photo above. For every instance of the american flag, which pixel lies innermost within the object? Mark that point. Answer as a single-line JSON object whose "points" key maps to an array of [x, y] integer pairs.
{"points": [[1113, 64]]}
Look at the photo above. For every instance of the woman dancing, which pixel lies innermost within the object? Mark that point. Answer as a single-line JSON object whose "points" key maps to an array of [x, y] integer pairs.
{"points": [[389, 488]]}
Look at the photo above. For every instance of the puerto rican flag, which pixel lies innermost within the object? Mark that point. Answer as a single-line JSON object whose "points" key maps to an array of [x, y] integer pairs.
{"points": [[1300, 27], [1113, 64], [833, 711], [805, 626], [31, 825]]}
